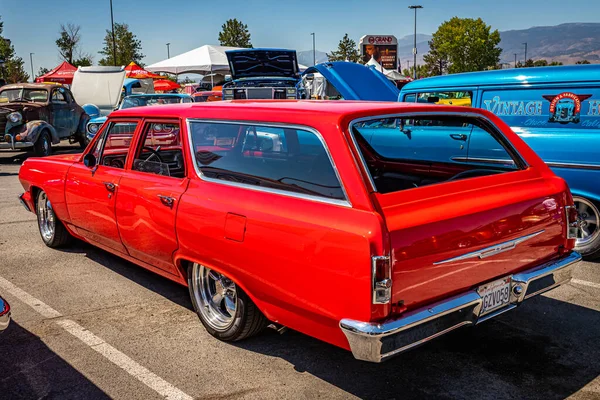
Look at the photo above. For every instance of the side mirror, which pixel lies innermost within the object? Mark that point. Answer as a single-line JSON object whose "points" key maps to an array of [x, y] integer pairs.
{"points": [[89, 160], [433, 99]]}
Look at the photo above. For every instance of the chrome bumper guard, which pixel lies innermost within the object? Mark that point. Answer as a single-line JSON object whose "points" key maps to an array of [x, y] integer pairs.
{"points": [[377, 342], [23, 202]]}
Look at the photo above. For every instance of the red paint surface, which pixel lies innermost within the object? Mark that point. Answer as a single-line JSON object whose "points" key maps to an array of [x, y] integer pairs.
{"points": [[306, 264]]}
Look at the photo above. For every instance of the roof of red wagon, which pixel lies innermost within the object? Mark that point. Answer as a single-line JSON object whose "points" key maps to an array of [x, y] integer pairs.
{"points": [[288, 111]]}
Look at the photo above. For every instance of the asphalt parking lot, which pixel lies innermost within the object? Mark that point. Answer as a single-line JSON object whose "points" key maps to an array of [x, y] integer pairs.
{"points": [[89, 325]]}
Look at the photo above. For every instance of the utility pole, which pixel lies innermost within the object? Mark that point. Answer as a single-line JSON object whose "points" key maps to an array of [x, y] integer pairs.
{"points": [[314, 51], [415, 42], [31, 61], [112, 25], [515, 60], [168, 52], [525, 53]]}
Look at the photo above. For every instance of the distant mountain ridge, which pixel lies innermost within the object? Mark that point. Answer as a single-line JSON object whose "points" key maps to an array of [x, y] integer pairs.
{"points": [[567, 43]]}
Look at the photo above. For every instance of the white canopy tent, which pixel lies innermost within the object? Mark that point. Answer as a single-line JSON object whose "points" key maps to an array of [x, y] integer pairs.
{"points": [[389, 73], [204, 60]]}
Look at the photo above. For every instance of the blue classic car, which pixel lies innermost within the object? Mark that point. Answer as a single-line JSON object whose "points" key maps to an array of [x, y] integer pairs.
{"points": [[138, 100], [556, 110], [4, 314]]}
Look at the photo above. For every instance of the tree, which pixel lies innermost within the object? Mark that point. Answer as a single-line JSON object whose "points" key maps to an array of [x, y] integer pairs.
{"points": [[85, 60], [466, 44], [42, 71], [422, 71], [68, 41], [128, 47], [435, 62], [555, 63], [540, 63], [13, 70], [346, 51], [582, 62], [234, 33]]}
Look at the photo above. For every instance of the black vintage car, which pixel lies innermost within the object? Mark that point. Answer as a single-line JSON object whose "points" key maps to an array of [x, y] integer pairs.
{"points": [[36, 116]]}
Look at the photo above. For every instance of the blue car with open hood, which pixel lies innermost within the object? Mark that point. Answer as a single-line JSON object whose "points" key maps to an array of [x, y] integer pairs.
{"points": [[555, 110]]}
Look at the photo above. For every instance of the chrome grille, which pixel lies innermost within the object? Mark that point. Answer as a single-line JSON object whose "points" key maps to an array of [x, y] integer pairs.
{"points": [[259, 93]]}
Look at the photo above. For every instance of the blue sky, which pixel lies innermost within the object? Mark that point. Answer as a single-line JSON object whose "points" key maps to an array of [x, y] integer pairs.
{"points": [[33, 25]]}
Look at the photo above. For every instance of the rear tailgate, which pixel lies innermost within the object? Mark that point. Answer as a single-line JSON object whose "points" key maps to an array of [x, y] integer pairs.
{"points": [[479, 230]]}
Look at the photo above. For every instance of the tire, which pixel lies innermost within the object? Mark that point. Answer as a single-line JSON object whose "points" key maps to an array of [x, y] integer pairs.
{"points": [[233, 318], [53, 232], [43, 145], [83, 141], [588, 235]]}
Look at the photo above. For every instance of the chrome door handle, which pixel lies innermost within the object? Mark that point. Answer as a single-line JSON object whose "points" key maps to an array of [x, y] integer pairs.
{"points": [[166, 200], [110, 186], [458, 136]]}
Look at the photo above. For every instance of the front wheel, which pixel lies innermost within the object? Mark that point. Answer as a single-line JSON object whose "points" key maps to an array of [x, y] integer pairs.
{"points": [[53, 232], [224, 309], [43, 146], [588, 234]]}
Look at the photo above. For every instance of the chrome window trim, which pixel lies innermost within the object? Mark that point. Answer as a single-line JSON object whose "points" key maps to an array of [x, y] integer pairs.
{"points": [[344, 203], [573, 165], [500, 161], [409, 114]]}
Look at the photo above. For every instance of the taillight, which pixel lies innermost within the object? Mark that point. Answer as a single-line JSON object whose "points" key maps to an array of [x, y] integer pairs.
{"points": [[381, 279], [572, 220]]}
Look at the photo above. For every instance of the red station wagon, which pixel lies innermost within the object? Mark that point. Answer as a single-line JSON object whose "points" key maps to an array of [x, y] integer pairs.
{"points": [[335, 219]]}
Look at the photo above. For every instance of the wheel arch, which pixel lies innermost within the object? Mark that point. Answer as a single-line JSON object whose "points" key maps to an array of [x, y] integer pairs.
{"points": [[590, 196], [35, 128]]}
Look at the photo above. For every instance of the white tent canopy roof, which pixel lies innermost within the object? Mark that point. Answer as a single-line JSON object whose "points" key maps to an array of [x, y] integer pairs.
{"points": [[389, 73], [203, 60]]}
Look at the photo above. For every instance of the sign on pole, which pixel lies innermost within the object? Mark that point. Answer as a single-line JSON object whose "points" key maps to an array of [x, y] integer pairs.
{"points": [[383, 48]]}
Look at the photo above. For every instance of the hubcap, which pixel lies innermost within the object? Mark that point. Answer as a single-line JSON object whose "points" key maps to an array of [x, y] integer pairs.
{"points": [[216, 297], [46, 218], [589, 221]]}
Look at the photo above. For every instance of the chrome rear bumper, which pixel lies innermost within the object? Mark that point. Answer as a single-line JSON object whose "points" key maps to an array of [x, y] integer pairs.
{"points": [[376, 342], [15, 145]]}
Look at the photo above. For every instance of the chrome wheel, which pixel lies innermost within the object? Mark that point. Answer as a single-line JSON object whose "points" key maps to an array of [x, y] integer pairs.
{"points": [[46, 218], [589, 221], [216, 297]]}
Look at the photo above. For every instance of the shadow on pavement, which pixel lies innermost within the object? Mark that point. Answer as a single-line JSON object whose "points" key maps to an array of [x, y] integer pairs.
{"points": [[31, 370], [18, 157], [547, 349]]}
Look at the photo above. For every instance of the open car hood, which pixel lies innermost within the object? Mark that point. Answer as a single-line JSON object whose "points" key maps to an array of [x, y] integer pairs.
{"points": [[254, 63], [100, 86], [356, 81]]}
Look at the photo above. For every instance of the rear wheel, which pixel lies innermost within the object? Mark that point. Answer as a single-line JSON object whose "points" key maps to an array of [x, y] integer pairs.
{"points": [[225, 310], [588, 235], [53, 232], [43, 146]]}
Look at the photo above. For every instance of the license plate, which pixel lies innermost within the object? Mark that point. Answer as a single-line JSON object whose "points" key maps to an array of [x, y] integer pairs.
{"points": [[495, 295]]}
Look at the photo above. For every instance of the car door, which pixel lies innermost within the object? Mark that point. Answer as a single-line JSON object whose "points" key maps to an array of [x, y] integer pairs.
{"points": [[149, 194], [59, 112], [73, 114], [91, 192]]}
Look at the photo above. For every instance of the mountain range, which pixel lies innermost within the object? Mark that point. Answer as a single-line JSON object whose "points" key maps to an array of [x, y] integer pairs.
{"points": [[567, 43]]}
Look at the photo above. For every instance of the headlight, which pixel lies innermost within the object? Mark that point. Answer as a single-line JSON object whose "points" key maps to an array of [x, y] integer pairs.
{"points": [[15, 117], [93, 128]]}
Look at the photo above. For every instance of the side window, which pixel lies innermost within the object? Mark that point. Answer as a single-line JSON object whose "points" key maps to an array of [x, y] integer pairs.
{"points": [[160, 151], [409, 98], [451, 98], [414, 152], [113, 146], [281, 158], [58, 97]]}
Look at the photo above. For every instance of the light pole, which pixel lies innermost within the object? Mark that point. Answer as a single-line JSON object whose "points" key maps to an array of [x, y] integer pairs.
{"points": [[515, 60], [31, 61], [415, 43], [408, 66], [112, 25], [525, 53], [314, 51], [168, 52]]}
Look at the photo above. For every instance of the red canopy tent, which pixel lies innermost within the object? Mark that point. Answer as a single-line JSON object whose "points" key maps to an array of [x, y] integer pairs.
{"points": [[134, 71], [62, 74], [165, 85]]}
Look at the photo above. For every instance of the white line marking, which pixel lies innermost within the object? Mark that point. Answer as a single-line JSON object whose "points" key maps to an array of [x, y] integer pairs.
{"points": [[134, 369], [43, 309], [586, 283], [96, 343]]}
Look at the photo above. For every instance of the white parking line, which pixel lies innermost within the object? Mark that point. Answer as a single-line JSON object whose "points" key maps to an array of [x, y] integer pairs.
{"points": [[97, 344], [586, 283]]}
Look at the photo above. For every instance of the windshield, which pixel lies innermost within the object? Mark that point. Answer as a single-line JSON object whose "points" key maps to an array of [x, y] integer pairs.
{"points": [[23, 95], [142, 101]]}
